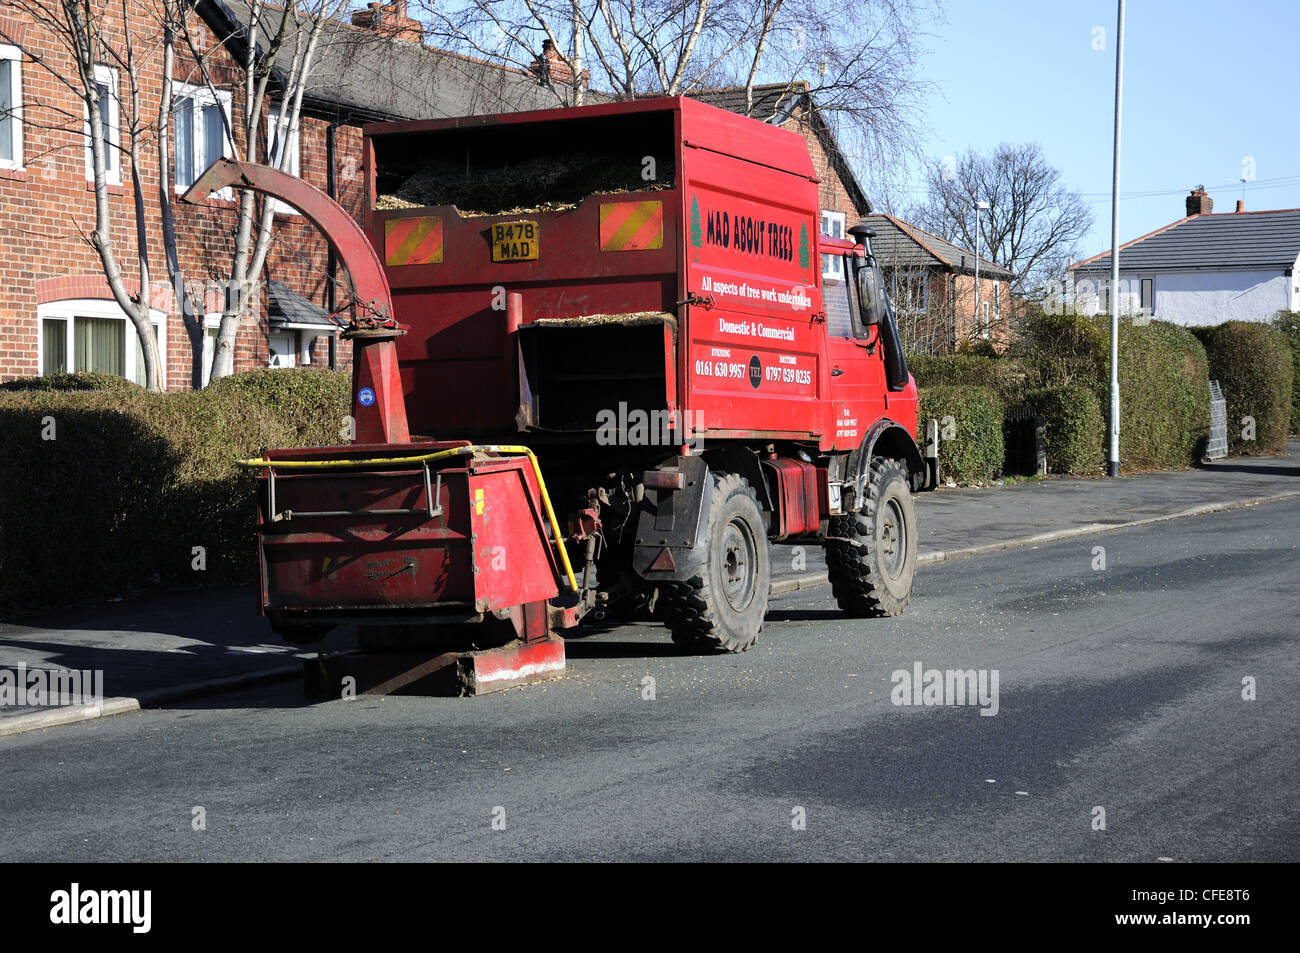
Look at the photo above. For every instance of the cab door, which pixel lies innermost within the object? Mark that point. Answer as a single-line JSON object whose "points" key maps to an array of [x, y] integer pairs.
{"points": [[856, 397]]}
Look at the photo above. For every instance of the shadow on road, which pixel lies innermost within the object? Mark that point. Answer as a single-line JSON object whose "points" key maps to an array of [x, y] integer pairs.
{"points": [[805, 615], [1264, 469], [617, 650]]}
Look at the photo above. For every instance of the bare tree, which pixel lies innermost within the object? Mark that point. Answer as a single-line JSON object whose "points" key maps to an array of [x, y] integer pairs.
{"points": [[82, 45], [856, 58], [1034, 226], [279, 47]]}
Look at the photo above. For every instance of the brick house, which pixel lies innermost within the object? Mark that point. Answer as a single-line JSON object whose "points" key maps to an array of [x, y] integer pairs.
{"points": [[932, 285], [57, 312]]}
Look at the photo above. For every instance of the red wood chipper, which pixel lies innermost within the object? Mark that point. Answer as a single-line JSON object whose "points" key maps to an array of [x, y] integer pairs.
{"points": [[634, 300]]}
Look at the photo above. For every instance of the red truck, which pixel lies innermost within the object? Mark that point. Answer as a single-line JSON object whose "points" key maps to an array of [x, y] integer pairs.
{"points": [[629, 299]]}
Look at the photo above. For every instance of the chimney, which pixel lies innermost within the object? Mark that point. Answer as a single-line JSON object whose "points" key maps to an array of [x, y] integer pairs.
{"points": [[1199, 203], [551, 70], [1241, 206], [389, 20]]}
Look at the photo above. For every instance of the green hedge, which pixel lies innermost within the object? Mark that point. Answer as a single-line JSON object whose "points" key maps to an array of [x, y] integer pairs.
{"points": [[1253, 363], [1164, 388], [1074, 428], [1288, 322], [1062, 350], [85, 380], [1003, 375], [974, 452], [104, 491], [1164, 381]]}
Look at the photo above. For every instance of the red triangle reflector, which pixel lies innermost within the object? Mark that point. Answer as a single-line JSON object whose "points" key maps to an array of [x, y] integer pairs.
{"points": [[663, 562]]}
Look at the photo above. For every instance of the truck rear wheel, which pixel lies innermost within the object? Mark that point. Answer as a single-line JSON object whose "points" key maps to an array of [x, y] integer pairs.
{"points": [[872, 561], [723, 607]]}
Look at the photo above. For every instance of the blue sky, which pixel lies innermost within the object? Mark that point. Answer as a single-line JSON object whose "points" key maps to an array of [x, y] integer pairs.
{"points": [[1206, 85]]}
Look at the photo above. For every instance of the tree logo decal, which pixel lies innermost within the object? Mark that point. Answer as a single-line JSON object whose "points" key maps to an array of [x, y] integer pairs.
{"points": [[697, 234]]}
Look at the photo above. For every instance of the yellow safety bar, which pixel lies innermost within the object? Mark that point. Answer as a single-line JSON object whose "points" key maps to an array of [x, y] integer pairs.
{"points": [[501, 449]]}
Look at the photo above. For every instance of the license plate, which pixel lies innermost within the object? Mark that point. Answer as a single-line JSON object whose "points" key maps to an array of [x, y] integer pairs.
{"points": [[515, 241]]}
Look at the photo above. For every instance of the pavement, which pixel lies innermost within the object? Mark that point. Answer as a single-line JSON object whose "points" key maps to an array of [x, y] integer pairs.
{"points": [[157, 649]]}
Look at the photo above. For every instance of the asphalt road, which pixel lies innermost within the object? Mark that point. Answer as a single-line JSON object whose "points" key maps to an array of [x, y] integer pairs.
{"points": [[1118, 688]]}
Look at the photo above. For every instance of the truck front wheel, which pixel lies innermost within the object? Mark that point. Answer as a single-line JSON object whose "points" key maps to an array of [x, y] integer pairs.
{"points": [[871, 559], [723, 606]]}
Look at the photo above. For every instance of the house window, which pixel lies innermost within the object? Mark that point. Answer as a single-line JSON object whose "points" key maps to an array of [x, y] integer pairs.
{"points": [[94, 335], [985, 326], [833, 225], [110, 126], [54, 346], [1147, 299], [200, 122], [997, 301], [282, 152], [11, 108]]}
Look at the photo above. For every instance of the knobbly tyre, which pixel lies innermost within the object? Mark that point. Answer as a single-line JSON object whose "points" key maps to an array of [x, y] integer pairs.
{"points": [[635, 310]]}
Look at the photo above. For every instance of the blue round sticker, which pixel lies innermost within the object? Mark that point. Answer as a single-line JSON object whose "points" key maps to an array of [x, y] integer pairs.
{"points": [[365, 397]]}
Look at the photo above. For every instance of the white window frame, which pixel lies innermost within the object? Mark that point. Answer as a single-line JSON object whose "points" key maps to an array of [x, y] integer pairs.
{"points": [[292, 161], [985, 326], [14, 55], [201, 96], [72, 308], [833, 265], [112, 149]]}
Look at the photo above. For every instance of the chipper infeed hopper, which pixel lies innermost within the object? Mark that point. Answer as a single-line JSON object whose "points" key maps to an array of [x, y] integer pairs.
{"points": [[448, 535]]}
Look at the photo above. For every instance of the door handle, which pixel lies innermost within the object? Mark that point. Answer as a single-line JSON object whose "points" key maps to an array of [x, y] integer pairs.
{"points": [[836, 371]]}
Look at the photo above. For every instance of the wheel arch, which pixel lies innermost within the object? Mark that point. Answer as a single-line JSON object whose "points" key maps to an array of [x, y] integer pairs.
{"points": [[745, 462], [887, 438]]}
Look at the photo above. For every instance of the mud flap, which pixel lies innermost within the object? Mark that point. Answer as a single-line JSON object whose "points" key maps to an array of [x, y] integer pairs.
{"points": [[670, 543]]}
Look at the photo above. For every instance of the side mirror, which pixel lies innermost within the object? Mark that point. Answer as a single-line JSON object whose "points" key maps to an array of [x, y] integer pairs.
{"points": [[869, 295]]}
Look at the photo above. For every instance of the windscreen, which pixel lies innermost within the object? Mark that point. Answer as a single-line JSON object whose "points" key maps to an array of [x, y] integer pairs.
{"points": [[838, 296]]}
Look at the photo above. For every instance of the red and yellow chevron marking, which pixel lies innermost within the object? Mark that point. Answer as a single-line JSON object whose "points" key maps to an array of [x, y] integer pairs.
{"points": [[413, 241], [631, 226]]}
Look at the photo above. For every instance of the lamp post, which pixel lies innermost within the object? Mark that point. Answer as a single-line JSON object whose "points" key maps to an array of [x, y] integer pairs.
{"points": [[979, 207], [1112, 468]]}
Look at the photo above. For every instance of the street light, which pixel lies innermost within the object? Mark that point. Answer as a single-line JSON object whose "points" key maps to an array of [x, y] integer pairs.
{"points": [[979, 207], [1112, 468]]}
